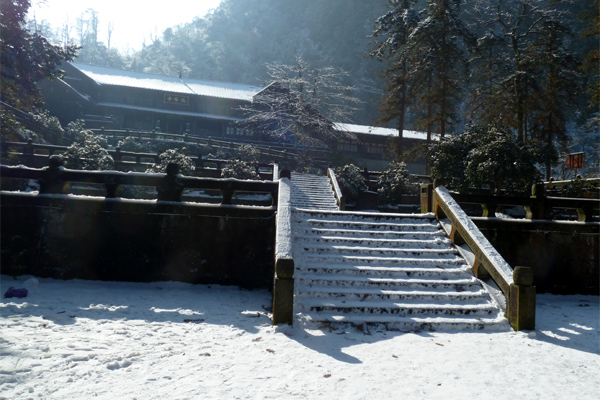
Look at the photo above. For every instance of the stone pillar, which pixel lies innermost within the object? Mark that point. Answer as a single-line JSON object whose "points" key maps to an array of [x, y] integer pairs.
{"points": [[51, 182], [521, 300], [171, 188], [426, 197], [283, 292], [537, 207]]}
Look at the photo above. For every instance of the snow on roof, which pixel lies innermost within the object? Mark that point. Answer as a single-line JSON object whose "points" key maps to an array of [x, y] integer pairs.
{"points": [[379, 131], [119, 77], [171, 112]]}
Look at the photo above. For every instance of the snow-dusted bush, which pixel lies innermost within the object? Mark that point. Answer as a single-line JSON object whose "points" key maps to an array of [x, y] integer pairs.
{"points": [[351, 181], [240, 170], [485, 155], [52, 131], [394, 182], [186, 164], [249, 152], [581, 188], [73, 128], [88, 153], [134, 144], [220, 154]]}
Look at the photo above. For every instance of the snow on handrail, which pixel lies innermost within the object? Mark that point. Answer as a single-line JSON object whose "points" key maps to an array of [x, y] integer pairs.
{"points": [[283, 245], [336, 189], [501, 272]]}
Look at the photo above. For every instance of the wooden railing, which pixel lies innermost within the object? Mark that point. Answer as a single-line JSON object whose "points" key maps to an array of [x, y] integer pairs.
{"points": [[516, 285], [169, 186], [36, 155]]}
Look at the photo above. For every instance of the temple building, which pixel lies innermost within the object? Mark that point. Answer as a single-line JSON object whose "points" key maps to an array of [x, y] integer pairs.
{"points": [[118, 99]]}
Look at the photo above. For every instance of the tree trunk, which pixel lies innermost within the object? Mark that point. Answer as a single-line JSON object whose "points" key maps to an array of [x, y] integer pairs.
{"points": [[550, 147]]}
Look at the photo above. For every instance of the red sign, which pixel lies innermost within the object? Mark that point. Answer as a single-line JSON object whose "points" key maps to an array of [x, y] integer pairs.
{"points": [[575, 160]]}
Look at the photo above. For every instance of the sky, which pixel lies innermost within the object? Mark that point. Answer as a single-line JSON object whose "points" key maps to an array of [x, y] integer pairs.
{"points": [[133, 20]]}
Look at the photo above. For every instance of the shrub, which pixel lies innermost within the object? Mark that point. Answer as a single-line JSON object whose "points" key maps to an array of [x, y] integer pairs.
{"points": [[485, 155], [52, 131], [135, 145], [351, 180], [394, 182], [186, 164], [88, 153], [240, 170], [249, 152], [73, 128]]}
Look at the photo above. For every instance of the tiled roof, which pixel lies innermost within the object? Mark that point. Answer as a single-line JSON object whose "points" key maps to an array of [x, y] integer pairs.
{"points": [[119, 77], [379, 131]]}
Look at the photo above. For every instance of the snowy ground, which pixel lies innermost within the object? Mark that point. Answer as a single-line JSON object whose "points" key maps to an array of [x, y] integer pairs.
{"points": [[165, 340]]}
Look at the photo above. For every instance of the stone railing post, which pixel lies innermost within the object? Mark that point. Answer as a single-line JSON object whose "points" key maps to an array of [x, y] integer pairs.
{"points": [[118, 156], [426, 198], [28, 150], [171, 188], [521, 300], [537, 208], [111, 187], [51, 181], [227, 193]]}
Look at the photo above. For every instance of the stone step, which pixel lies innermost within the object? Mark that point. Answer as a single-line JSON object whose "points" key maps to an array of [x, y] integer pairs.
{"points": [[365, 251], [370, 225], [389, 307], [367, 234], [405, 270], [385, 271], [473, 295], [442, 263], [427, 242], [372, 323], [433, 283]]}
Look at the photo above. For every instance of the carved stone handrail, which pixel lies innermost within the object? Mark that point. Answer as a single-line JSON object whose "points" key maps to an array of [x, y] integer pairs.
{"points": [[537, 206], [170, 186], [284, 154], [516, 285], [339, 197], [29, 152], [283, 285]]}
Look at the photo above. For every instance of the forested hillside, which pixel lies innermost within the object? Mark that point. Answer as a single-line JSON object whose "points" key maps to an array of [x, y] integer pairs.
{"points": [[241, 36], [237, 40]]}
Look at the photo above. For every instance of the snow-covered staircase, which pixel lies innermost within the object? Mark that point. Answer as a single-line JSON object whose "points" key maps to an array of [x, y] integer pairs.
{"points": [[312, 191], [388, 271]]}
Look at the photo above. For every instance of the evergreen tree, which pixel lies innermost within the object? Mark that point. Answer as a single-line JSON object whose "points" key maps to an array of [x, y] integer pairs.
{"points": [[437, 62], [555, 98], [392, 31], [519, 23], [302, 103], [26, 59]]}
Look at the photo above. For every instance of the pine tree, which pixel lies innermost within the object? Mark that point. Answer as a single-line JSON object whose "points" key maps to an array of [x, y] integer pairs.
{"points": [[392, 32], [555, 98], [437, 59], [26, 59], [519, 23], [302, 103]]}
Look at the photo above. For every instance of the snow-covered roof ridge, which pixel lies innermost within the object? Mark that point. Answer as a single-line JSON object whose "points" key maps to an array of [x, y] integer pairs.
{"points": [[381, 131], [142, 80]]}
